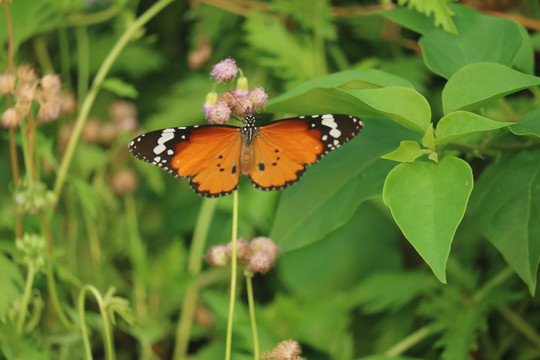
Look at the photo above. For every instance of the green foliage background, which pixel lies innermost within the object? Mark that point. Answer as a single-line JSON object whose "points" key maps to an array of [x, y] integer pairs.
{"points": [[419, 239]]}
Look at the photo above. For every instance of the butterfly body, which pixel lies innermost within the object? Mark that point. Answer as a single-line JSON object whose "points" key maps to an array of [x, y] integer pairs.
{"points": [[274, 155]]}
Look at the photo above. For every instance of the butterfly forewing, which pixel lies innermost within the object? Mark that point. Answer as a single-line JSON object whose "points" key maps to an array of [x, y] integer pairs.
{"points": [[284, 148], [274, 155], [206, 154]]}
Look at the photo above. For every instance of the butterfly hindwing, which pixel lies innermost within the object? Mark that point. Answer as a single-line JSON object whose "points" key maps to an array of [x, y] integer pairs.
{"points": [[284, 148], [206, 154]]}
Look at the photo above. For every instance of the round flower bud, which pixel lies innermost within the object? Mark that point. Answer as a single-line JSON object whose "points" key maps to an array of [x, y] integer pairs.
{"points": [[51, 84], [258, 97], [243, 250], [124, 181], [26, 92], [285, 350], [121, 110], [242, 106], [217, 255], [11, 119], [262, 243], [49, 110], [242, 88], [7, 83], [225, 70], [26, 74], [261, 262], [219, 113]]}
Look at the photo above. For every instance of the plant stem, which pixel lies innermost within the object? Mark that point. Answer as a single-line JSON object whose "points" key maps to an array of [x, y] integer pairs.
{"points": [[521, 325], [43, 57], [83, 55], [26, 297], [233, 277], [65, 63], [53, 294], [251, 303], [96, 84], [107, 339], [411, 340], [200, 234]]}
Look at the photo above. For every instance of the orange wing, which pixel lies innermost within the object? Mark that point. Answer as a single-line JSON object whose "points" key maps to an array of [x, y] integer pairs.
{"points": [[207, 154], [283, 149]]}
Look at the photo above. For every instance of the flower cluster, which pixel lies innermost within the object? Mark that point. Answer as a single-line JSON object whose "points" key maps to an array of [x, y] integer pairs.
{"points": [[27, 89], [285, 350], [259, 256], [31, 197], [219, 108], [32, 248]]}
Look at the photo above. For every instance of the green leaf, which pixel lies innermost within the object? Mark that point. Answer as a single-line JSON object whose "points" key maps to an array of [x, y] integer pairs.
{"points": [[529, 124], [391, 291], [408, 151], [403, 105], [429, 137], [350, 254], [481, 38], [476, 85], [505, 207], [120, 88], [428, 201], [387, 357], [410, 19], [440, 10], [350, 79], [462, 123], [12, 284], [330, 191]]}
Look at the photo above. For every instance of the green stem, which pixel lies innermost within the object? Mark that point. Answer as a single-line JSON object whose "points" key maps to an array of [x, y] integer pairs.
{"points": [[107, 339], [411, 340], [521, 325], [26, 297], [93, 18], [187, 311], [53, 294], [83, 54], [65, 63], [43, 57], [251, 303], [96, 84], [233, 277]]}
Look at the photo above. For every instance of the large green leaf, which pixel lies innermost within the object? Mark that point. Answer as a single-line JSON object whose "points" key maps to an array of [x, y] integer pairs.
{"points": [[351, 253], [478, 84], [462, 123], [481, 38], [505, 207], [529, 124], [328, 195], [428, 201], [401, 104]]}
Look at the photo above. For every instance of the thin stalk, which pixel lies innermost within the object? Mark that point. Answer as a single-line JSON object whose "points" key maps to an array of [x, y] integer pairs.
{"points": [[42, 54], [520, 324], [65, 63], [251, 303], [96, 84], [53, 294], [26, 297], [107, 339], [183, 331], [411, 340], [233, 277], [83, 54]]}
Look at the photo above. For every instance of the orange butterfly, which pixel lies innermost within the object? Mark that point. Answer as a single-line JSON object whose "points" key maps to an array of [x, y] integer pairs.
{"points": [[274, 156]]}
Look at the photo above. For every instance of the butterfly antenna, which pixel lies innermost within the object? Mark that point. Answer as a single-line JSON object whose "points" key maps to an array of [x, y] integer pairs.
{"points": [[258, 106], [239, 103]]}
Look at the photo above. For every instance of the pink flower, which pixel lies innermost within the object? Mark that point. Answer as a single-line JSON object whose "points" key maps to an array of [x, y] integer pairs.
{"points": [[225, 70], [220, 113], [258, 97], [217, 255], [285, 350]]}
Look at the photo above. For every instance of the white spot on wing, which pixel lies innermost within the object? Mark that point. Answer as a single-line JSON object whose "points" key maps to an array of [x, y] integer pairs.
{"points": [[159, 149], [335, 133]]}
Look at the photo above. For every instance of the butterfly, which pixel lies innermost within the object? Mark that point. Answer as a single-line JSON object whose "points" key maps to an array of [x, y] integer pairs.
{"points": [[274, 155]]}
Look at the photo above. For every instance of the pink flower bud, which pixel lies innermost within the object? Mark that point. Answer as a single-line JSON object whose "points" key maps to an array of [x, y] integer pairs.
{"points": [[258, 97], [219, 113], [217, 255], [11, 119], [51, 84], [7, 83], [243, 250], [225, 70]]}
